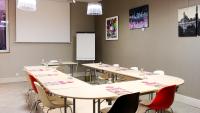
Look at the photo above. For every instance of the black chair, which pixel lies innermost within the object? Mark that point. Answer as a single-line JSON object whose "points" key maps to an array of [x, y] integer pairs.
{"points": [[124, 104]]}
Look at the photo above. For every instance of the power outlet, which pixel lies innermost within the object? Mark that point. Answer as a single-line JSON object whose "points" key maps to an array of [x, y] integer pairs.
{"points": [[143, 29], [16, 74]]}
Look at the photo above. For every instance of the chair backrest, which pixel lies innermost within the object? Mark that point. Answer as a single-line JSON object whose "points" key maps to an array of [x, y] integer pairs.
{"points": [[116, 65], [29, 82], [159, 72], [32, 80], [134, 68], [126, 104], [43, 96], [164, 98]]}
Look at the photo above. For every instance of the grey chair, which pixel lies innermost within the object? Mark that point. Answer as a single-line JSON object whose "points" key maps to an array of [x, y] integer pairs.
{"points": [[124, 104]]}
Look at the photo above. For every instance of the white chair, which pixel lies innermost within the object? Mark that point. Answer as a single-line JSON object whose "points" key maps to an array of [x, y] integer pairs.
{"points": [[159, 72], [107, 77], [51, 102], [104, 76]]}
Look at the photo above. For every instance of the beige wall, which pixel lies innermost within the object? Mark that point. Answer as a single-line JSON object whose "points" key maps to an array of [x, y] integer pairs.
{"points": [[158, 47], [22, 54]]}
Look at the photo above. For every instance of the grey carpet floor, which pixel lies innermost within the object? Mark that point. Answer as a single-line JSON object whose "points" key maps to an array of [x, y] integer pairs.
{"points": [[12, 98]]}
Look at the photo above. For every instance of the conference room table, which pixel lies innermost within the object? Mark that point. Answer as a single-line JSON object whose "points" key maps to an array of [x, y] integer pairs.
{"points": [[66, 86]]}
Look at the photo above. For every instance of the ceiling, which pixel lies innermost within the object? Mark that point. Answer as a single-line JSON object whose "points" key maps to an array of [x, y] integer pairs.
{"points": [[73, 0], [86, 0]]}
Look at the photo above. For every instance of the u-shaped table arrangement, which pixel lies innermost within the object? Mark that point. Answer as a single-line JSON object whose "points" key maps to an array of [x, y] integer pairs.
{"points": [[66, 86]]}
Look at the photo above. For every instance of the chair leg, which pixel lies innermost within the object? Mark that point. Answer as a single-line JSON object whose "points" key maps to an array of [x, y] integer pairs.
{"points": [[150, 96], [161, 111], [28, 95], [172, 110], [37, 105], [34, 106], [70, 109], [60, 110], [109, 101], [48, 110], [147, 111]]}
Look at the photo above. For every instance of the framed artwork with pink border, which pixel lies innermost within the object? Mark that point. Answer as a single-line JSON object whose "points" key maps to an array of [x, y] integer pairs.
{"points": [[112, 28]]}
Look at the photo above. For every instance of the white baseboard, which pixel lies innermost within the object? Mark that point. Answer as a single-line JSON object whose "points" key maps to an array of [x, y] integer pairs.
{"points": [[12, 79], [187, 100]]}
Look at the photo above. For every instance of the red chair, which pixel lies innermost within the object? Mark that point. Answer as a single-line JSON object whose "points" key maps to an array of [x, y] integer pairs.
{"points": [[32, 83], [163, 100], [32, 89]]}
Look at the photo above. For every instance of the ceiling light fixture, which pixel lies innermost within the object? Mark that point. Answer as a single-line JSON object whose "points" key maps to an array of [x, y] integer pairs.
{"points": [[27, 5], [94, 9]]}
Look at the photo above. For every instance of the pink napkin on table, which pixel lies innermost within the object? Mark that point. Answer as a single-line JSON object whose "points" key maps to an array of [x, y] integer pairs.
{"points": [[156, 84], [117, 90]]}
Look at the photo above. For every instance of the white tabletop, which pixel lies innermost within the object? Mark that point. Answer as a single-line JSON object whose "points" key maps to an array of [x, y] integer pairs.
{"points": [[117, 70], [69, 63], [59, 63], [51, 78], [67, 86]]}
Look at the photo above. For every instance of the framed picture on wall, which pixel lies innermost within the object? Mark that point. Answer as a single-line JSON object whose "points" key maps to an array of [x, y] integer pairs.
{"points": [[112, 28], [198, 20], [4, 42], [187, 22], [139, 17]]}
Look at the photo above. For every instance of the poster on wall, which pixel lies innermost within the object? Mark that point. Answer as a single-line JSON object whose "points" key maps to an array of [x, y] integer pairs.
{"points": [[112, 28], [198, 20], [139, 17], [187, 22], [4, 47]]}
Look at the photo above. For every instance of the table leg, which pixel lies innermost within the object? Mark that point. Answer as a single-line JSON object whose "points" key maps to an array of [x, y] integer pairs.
{"points": [[151, 96], [95, 76], [113, 77], [74, 105], [94, 106], [65, 105], [85, 74], [91, 75], [99, 105], [71, 69], [177, 88]]}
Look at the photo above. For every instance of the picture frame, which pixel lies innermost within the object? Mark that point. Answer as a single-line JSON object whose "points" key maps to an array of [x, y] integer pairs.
{"points": [[139, 17], [187, 20], [198, 20], [4, 31], [112, 28]]}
